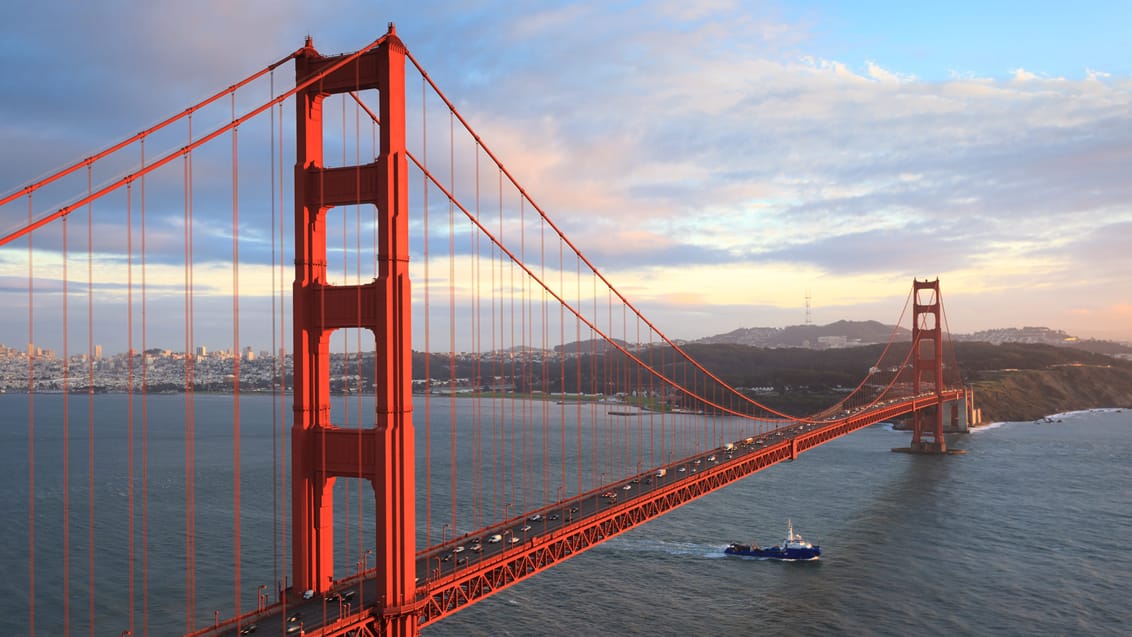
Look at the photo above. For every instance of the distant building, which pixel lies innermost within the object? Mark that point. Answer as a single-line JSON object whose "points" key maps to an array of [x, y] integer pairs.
{"points": [[832, 342]]}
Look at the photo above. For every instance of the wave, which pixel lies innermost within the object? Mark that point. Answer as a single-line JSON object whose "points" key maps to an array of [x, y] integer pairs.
{"points": [[987, 427], [1082, 412]]}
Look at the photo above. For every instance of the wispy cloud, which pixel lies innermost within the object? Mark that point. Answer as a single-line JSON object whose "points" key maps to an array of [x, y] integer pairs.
{"points": [[668, 135]]}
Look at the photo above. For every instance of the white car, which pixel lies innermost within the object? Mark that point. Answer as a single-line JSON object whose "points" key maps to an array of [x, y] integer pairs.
{"points": [[515, 540], [458, 549], [495, 539]]}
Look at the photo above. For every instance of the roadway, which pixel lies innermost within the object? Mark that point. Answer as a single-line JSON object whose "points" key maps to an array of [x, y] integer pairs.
{"points": [[450, 558]]}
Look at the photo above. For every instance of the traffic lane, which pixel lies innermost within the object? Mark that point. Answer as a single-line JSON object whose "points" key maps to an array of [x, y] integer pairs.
{"points": [[317, 612], [299, 616], [453, 557]]}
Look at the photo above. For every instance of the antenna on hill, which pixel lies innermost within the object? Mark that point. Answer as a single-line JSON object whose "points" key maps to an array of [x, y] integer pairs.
{"points": [[809, 319]]}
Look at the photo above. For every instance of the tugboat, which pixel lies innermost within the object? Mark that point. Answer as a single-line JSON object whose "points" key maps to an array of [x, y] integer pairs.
{"points": [[793, 548]]}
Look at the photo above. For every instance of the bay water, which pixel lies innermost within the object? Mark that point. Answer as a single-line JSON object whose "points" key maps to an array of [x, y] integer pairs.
{"points": [[1028, 533]]}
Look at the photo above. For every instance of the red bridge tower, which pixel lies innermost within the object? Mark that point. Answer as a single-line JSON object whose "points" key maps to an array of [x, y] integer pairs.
{"points": [[320, 451], [927, 366]]}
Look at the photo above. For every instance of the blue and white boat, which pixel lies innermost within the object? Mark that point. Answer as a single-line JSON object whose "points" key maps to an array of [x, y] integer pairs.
{"points": [[793, 548]]}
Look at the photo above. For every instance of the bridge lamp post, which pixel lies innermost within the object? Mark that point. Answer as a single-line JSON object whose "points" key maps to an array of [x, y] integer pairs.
{"points": [[261, 597], [597, 493], [443, 538]]}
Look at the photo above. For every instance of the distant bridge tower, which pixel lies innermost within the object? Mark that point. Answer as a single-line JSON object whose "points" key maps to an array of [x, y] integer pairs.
{"points": [[927, 365], [320, 451]]}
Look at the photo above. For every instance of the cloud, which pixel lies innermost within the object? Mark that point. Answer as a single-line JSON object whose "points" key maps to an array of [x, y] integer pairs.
{"points": [[877, 73], [660, 137]]}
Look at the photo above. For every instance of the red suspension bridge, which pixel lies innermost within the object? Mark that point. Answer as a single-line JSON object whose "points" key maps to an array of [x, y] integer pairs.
{"points": [[448, 398]]}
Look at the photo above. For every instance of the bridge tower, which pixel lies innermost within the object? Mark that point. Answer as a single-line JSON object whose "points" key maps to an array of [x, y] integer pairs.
{"points": [[927, 365], [321, 451]]}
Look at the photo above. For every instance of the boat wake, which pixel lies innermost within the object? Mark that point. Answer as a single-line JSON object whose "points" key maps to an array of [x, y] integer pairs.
{"points": [[668, 548]]}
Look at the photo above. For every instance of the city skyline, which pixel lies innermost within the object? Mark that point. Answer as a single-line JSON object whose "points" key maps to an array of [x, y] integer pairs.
{"points": [[719, 163], [1025, 334]]}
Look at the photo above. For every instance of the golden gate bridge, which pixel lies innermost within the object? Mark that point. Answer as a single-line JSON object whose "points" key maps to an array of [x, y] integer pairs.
{"points": [[350, 215]]}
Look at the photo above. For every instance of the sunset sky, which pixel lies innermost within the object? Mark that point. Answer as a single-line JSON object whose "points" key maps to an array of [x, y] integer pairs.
{"points": [[716, 159]]}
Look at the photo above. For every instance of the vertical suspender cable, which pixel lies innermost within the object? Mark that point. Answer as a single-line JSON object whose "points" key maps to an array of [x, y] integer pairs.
{"points": [[562, 362], [90, 400], [513, 421], [578, 373], [130, 394], [452, 311], [358, 388], [235, 361], [428, 327], [474, 327], [279, 353], [498, 452], [66, 443], [145, 414], [276, 357], [523, 343], [543, 362], [345, 420], [31, 429], [190, 568]]}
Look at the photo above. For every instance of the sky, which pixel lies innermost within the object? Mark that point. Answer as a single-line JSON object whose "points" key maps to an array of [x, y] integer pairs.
{"points": [[720, 161]]}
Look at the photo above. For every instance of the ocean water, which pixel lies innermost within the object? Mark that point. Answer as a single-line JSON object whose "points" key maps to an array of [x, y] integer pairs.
{"points": [[1028, 533]]}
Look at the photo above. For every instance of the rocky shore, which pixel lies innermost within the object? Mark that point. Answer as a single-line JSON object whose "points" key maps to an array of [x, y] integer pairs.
{"points": [[1029, 394]]}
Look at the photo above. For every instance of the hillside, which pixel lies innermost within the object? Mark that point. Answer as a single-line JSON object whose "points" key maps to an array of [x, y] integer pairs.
{"points": [[1028, 394], [858, 333], [838, 334], [1012, 381]]}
